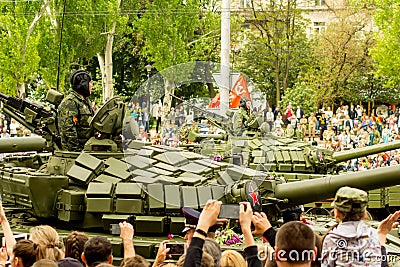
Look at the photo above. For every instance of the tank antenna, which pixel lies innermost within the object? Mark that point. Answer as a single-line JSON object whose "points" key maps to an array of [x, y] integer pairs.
{"points": [[60, 46]]}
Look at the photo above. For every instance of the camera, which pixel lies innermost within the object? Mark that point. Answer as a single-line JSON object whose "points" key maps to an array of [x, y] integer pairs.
{"points": [[175, 249]]}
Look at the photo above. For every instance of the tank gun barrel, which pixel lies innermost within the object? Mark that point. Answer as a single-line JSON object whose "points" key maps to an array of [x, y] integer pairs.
{"points": [[365, 151], [216, 119], [307, 191], [22, 144]]}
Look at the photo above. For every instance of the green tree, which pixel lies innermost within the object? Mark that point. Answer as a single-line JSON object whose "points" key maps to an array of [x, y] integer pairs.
{"points": [[342, 68], [386, 53], [274, 47], [18, 44], [302, 95], [89, 31], [175, 32]]}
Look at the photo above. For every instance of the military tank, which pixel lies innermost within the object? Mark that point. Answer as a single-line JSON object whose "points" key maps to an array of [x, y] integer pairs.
{"points": [[145, 184]]}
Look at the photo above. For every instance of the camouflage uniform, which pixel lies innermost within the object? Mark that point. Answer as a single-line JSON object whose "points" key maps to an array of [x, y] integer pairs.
{"points": [[74, 113], [240, 119], [183, 134]]}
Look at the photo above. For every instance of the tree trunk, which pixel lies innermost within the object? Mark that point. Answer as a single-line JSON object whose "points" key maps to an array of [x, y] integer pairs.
{"points": [[108, 65], [21, 90], [277, 82], [100, 58], [107, 70], [169, 88]]}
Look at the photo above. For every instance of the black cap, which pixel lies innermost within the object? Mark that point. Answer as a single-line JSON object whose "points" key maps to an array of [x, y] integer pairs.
{"points": [[191, 218], [80, 80]]}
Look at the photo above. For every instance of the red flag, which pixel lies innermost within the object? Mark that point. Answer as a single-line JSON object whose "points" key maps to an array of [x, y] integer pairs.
{"points": [[238, 91]]}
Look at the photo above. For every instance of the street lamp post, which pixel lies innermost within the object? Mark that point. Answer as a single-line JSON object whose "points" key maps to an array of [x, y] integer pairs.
{"points": [[148, 68]]}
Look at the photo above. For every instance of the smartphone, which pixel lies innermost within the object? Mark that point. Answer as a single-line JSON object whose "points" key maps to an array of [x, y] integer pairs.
{"points": [[175, 249], [229, 211], [115, 229], [17, 238]]}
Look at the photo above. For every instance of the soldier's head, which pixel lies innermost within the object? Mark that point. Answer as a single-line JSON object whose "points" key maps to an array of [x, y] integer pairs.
{"points": [[81, 82], [245, 102]]}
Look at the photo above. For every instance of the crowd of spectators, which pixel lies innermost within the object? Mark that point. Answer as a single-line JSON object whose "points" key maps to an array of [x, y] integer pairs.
{"points": [[9, 127], [293, 244], [346, 128], [176, 118]]}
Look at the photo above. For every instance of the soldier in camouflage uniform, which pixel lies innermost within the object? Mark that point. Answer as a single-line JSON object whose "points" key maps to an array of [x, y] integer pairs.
{"points": [[74, 113], [242, 116]]}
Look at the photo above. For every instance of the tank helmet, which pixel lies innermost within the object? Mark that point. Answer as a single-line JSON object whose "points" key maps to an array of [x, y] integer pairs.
{"points": [[80, 80], [350, 200], [292, 213]]}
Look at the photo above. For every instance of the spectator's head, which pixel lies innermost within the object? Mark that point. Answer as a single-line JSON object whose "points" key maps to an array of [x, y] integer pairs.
{"points": [[318, 244], [212, 247], [48, 242], [25, 252], [137, 261], [295, 244], [350, 204], [104, 264], [206, 260], [45, 263], [74, 244], [81, 82], [69, 262], [97, 250], [232, 258]]}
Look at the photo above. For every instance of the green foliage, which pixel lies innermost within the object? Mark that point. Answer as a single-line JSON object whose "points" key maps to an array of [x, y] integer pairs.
{"points": [[276, 47], [342, 68], [129, 65], [166, 28], [18, 54], [386, 53], [302, 95]]}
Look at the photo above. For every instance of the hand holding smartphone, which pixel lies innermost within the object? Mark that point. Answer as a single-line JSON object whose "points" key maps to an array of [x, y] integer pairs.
{"points": [[229, 211], [175, 249]]}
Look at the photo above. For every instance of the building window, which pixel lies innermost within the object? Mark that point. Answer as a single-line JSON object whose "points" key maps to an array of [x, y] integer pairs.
{"points": [[319, 27], [245, 4], [319, 2]]}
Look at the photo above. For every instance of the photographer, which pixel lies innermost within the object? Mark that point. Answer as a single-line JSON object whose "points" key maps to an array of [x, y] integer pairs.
{"points": [[208, 217]]}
